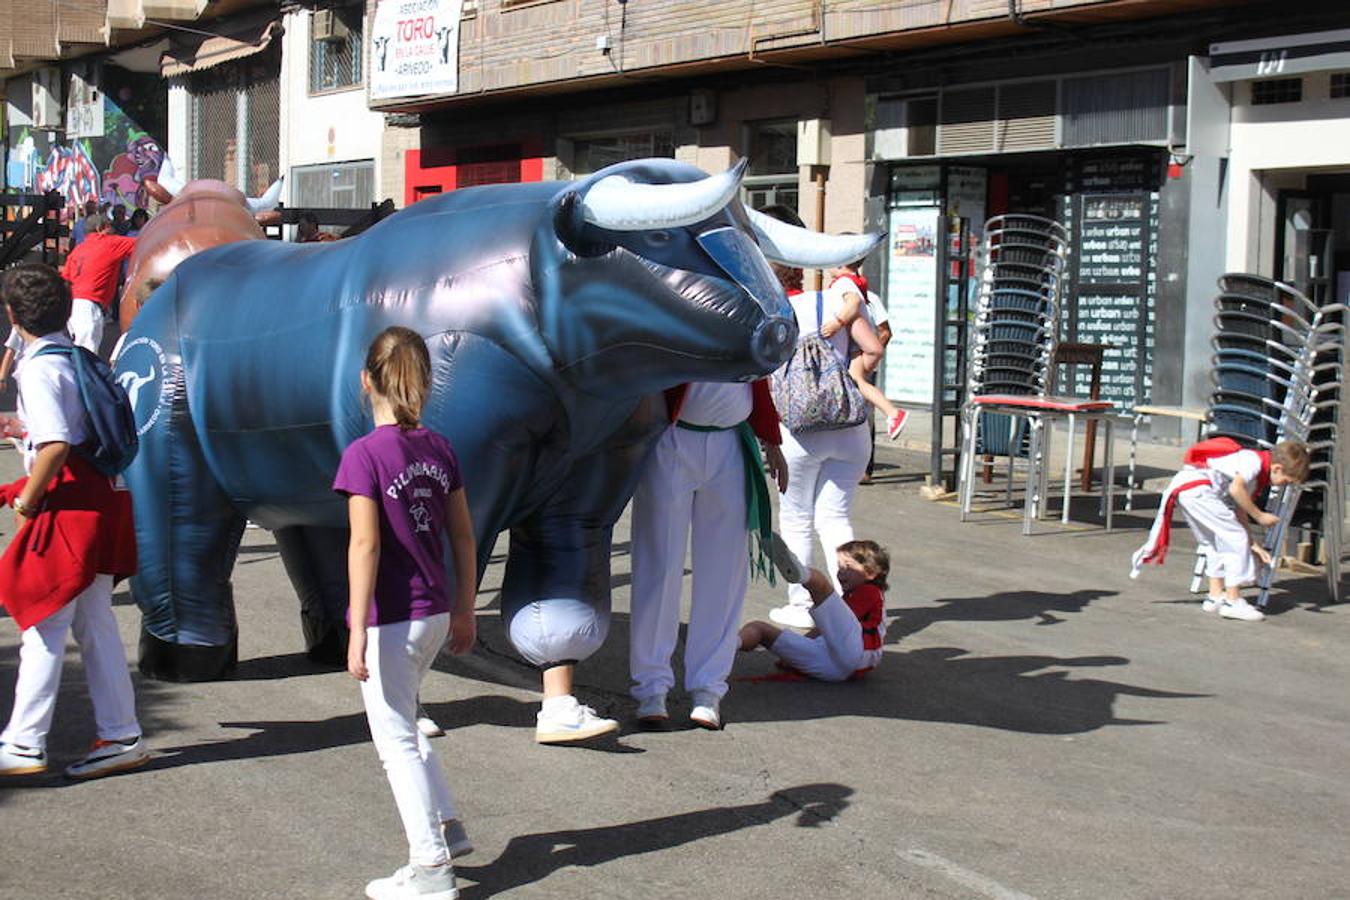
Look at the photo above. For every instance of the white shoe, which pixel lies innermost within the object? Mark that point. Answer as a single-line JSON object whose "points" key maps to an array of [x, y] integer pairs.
{"points": [[705, 712], [414, 882], [22, 760], [1212, 603], [427, 725], [456, 838], [792, 616], [110, 757], [559, 722], [652, 710], [1242, 611]]}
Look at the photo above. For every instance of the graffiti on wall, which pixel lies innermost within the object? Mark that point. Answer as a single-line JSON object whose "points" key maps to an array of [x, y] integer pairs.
{"points": [[109, 169]]}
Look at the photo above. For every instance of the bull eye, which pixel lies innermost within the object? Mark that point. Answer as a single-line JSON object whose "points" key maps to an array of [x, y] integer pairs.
{"points": [[657, 238]]}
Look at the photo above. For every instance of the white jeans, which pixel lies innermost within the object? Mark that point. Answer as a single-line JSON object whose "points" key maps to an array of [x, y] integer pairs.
{"points": [[694, 481], [398, 656], [41, 652], [823, 472], [86, 324], [836, 653], [1219, 535]]}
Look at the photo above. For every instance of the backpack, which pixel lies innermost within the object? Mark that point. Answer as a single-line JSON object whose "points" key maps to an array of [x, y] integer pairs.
{"points": [[813, 390], [114, 443]]}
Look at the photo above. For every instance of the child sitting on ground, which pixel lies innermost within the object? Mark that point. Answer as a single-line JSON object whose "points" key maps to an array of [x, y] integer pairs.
{"points": [[846, 642], [1214, 489]]}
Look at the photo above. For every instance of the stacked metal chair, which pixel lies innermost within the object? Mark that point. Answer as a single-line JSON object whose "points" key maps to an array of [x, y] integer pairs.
{"points": [[1011, 371], [1277, 371]]}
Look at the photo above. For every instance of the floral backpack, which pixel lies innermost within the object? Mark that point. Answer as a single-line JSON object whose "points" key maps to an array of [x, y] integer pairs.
{"points": [[813, 390]]}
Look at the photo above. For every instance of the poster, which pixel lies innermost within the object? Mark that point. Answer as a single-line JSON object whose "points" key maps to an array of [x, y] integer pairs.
{"points": [[911, 304], [414, 48]]}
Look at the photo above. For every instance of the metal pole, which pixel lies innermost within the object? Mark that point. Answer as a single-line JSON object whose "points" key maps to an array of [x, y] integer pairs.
{"points": [[819, 277], [940, 354]]}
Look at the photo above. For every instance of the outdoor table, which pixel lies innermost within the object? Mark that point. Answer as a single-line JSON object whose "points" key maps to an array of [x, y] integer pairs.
{"points": [[1195, 414]]}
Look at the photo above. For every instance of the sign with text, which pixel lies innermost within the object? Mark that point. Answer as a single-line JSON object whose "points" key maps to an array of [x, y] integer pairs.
{"points": [[911, 303], [414, 48]]}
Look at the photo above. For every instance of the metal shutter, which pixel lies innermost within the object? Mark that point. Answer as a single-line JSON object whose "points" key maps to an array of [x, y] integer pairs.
{"points": [[1026, 113], [966, 121], [1123, 108]]}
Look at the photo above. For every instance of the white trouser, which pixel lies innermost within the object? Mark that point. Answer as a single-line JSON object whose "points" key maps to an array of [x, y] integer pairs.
{"points": [[398, 656], [693, 479], [833, 655], [86, 324], [41, 652], [823, 472], [1219, 536]]}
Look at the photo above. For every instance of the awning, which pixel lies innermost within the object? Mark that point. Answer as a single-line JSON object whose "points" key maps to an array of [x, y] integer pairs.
{"points": [[193, 52], [1279, 57]]}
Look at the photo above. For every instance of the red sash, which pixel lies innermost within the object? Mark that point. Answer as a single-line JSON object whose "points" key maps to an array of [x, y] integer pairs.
{"points": [[84, 529]]}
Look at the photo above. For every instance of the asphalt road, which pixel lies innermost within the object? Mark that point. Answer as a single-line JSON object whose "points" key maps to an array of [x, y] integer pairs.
{"points": [[1041, 727]]}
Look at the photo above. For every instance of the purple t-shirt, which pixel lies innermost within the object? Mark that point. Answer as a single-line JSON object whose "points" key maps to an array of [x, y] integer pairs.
{"points": [[410, 473]]}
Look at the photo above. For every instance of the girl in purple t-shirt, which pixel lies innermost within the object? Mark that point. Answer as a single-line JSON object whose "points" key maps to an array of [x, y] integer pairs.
{"points": [[405, 499]]}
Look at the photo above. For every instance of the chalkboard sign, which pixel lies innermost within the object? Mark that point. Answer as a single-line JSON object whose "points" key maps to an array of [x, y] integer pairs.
{"points": [[1111, 208]]}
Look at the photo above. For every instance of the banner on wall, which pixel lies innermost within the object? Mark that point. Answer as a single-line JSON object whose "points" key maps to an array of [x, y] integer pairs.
{"points": [[414, 48], [911, 304]]}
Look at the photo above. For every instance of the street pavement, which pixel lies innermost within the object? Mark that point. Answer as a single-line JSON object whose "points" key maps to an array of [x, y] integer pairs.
{"points": [[1042, 726]]}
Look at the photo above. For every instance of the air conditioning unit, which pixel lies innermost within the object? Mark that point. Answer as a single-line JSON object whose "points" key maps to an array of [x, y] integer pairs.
{"points": [[47, 100], [328, 27]]}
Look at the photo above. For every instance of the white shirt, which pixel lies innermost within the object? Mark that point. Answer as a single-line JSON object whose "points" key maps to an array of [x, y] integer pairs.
{"points": [[717, 404], [804, 305], [15, 342], [875, 310], [1244, 462], [49, 398]]}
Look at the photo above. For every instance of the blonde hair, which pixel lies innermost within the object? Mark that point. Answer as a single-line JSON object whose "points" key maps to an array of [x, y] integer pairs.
{"points": [[1292, 457], [400, 371], [871, 556]]}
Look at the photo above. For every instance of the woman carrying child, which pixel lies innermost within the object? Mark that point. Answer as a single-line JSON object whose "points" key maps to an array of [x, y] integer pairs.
{"points": [[405, 498]]}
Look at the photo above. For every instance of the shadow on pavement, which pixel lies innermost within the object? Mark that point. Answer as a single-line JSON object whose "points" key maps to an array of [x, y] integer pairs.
{"points": [[1007, 606], [533, 857]]}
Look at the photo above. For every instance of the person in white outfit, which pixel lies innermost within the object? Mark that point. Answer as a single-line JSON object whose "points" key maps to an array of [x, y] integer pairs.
{"points": [[824, 467], [1214, 490], [704, 481]]}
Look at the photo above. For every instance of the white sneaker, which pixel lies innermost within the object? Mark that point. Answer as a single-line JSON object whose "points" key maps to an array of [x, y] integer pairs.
{"points": [[652, 710], [21, 760], [563, 719], [456, 838], [1242, 611], [414, 882], [792, 616], [705, 712], [110, 757], [1212, 603], [427, 725]]}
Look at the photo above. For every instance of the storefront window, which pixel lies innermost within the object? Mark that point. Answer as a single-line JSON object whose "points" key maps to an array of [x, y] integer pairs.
{"points": [[594, 153]]}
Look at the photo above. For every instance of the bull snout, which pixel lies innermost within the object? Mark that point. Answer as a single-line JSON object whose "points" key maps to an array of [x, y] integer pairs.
{"points": [[772, 342]]}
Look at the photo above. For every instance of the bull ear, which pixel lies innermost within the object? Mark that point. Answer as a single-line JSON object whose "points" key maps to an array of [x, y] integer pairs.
{"points": [[576, 234]]}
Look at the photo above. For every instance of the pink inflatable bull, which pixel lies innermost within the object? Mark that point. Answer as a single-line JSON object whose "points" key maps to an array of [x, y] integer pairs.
{"points": [[200, 214]]}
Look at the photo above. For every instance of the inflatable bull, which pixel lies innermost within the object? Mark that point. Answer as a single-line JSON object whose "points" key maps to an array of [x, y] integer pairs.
{"points": [[200, 214], [555, 314]]}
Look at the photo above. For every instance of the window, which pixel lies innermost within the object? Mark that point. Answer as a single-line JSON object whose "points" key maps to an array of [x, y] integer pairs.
{"points": [[1277, 90], [348, 185], [334, 48], [772, 176], [906, 126], [495, 164], [594, 153], [1340, 84], [235, 120]]}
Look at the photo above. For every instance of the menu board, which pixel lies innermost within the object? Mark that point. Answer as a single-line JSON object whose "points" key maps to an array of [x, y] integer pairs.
{"points": [[1113, 215]]}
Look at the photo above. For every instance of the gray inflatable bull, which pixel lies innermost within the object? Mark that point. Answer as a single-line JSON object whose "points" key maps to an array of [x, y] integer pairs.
{"points": [[555, 314]]}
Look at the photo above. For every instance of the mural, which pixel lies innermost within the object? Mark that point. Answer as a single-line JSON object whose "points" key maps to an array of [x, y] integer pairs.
{"points": [[109, 169]]}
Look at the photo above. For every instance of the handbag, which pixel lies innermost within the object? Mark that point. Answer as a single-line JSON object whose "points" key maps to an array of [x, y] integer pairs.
{"points": [[813, 390]]}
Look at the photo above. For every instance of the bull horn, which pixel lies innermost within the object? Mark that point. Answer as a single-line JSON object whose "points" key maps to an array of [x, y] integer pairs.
{"points": [[800, 247], [267, 201], [617, 204], [168, 177]]}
